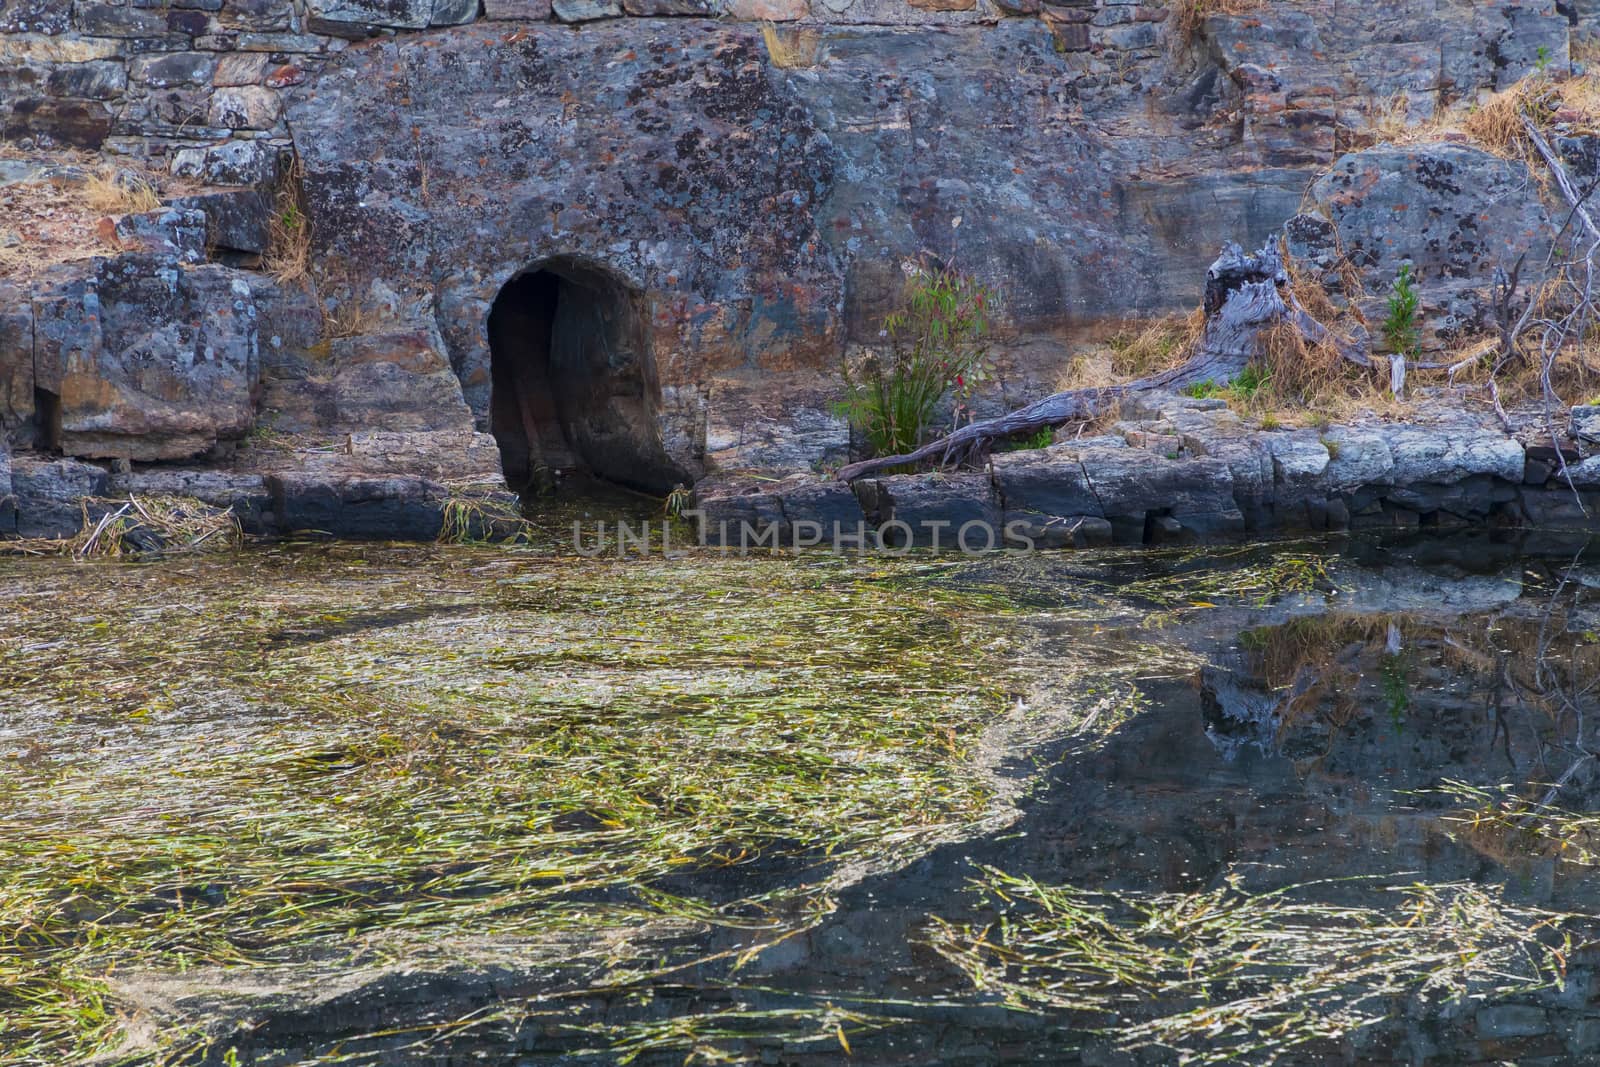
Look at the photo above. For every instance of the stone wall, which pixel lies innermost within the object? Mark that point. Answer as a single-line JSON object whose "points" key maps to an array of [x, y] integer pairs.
{"points": [[171, 80], [754, 174]]}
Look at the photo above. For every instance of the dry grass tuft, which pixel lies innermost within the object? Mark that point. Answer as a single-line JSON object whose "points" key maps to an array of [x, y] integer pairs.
{"points": [[138, 526], [1574, 377], [1312, 377], [1392, 122], [118, 191], [791, 48], [1307, 287], [1574, 373], [1496, 124], [1389, 119], [1188, 16], [1292, 379], [163, 524], [1138, 349], [61, 215], [288, 257], [350, 318], [1158, 346]]}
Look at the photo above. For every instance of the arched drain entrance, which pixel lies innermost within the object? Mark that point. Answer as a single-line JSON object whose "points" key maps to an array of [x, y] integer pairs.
{"points": [[572, 386]]}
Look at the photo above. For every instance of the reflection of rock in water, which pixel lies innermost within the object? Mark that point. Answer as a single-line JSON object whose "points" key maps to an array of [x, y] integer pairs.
{"points": [[1239, 712]]}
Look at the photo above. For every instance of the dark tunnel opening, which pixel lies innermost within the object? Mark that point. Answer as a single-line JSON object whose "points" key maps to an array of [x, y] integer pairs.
{"points": [[572, 386]]}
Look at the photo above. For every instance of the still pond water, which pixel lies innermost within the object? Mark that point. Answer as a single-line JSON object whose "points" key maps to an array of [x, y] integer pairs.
{"points": [[1293, 803]]}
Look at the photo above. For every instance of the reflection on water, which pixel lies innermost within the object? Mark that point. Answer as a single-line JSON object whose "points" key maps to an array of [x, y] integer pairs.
{"points": [[420, 805]]}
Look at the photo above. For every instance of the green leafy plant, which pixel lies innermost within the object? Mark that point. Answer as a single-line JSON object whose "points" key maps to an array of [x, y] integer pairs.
{"points": [[1203, 390], [1043, 439], [678, 501], [1251, 381], [1542, 60], [936, 346], [1400, 325]]}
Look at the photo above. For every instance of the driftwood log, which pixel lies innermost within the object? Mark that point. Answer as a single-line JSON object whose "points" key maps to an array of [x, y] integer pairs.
{"points": [[1246, 293]]}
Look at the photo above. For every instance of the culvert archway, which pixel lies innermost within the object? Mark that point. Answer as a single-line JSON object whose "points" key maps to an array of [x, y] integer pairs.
{"points": [[572, 384]]}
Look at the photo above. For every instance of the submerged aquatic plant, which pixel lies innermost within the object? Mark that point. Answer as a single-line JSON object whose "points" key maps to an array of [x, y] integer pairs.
{"points": [[1506, 822], [1251, 576], [478, 514], [360, 748], [1228, 976]]}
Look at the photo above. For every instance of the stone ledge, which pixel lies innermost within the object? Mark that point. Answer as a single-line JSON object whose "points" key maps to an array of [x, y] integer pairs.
{"points": [[1190, 473]]}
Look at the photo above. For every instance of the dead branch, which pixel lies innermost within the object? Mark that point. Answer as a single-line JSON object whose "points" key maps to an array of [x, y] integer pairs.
{"points": [[1563, 182], [1574, 317]]}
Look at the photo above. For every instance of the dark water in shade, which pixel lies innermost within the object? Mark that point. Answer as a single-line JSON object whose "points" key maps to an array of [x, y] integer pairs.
{"points": [[1294, 803]]}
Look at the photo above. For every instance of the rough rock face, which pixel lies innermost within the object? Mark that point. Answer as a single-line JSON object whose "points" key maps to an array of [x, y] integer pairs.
{"points": [[49, 495], [398, 380], [16, 363], [1417, 203], [729, 205], [1452, 211], [681, 167], [8, 500], [889, 143], [147, 359]]}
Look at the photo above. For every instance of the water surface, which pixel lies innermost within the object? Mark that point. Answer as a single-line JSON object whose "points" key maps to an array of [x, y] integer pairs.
{"points": [[378, 804]]}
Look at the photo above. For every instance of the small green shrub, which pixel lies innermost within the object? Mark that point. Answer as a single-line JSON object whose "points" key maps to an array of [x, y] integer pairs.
{"points": [[936, 346], [1250, 382], [678, 501], [1400, 326], [1332, 447], [1269, 421], [1202, 390]]}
